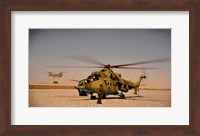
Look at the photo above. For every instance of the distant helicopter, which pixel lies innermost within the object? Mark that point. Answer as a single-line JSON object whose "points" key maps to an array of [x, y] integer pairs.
{"points": [[60, 74], [106, 82]]}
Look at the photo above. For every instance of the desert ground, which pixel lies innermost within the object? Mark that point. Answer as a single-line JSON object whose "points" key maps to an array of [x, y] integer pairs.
{"points": [[70, 98]]}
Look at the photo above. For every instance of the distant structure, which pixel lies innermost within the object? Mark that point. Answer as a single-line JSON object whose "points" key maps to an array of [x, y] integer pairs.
{"points": [[56, 75]]}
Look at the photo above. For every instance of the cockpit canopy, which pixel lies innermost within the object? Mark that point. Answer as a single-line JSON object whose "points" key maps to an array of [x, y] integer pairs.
{"points": [[93, 78]]}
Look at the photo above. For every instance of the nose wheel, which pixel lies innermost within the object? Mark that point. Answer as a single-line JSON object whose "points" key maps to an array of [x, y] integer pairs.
{"points": [[122, 96]]}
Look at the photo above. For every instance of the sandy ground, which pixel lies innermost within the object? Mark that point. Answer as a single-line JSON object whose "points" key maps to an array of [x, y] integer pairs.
{"points": [[70, 98]]}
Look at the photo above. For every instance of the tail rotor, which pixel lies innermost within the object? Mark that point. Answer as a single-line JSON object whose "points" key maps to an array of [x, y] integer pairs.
{"points": [[145, 81]]}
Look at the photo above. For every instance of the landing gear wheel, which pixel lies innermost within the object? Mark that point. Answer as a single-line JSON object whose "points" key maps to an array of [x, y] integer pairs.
{"points": [[93, 97], [122, 96]]}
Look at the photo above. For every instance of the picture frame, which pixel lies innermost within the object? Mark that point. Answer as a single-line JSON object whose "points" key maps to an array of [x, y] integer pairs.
{"points": [[6, 7]]}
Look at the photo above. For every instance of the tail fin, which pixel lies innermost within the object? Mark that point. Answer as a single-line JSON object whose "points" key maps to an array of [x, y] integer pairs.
{"points": [[140, 79], [138, 83]]}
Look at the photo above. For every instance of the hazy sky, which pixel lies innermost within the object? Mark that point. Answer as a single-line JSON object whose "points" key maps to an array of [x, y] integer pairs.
{"points": [[110, 46]]}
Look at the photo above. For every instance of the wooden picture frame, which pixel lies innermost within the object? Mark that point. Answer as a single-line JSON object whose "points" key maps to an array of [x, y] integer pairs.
{"points": [[6, 6]]}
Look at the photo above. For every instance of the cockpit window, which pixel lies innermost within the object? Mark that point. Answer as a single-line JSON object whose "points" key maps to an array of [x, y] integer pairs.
{"points": [[88, 81], [96, 77], [93, 78]]}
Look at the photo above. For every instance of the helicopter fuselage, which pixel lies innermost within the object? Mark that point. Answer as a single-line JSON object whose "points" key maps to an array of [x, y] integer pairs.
{"points": [[108, 82]]}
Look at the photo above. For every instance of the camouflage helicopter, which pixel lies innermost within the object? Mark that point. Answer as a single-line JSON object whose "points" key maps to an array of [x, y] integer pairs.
{"points": [[112, 84], [106, 81]]}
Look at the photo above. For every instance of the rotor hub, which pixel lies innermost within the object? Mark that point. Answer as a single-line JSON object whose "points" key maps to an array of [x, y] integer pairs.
{"points": [[108, 66]]}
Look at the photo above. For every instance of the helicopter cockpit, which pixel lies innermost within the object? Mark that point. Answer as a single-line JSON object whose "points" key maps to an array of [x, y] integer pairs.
{"points": [[92, 78]]}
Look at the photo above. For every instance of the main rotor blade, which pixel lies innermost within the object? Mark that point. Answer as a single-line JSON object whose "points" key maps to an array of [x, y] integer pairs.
{"points": [[122, 67], [75, 80], [143, 62], [75, 66], [85, 59]]}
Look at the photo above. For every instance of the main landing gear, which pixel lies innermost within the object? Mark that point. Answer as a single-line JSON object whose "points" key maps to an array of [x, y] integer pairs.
{"points": [[92, 97], [100, 96], [122, 96]]}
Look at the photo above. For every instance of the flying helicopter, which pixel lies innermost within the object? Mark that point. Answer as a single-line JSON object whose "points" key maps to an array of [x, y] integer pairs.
{"points": [[107, 82], [54, 75], [60, 74]]}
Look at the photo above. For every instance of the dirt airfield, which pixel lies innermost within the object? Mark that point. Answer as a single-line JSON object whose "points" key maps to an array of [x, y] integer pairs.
{"points": [[70, 98]]}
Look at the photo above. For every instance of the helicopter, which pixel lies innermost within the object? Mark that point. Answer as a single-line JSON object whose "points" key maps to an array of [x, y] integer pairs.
{"points": [[114, 85], [60, 74], [107, 82]]}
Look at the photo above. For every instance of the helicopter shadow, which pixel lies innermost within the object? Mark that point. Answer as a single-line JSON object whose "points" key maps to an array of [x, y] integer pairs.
{"points": [[61, 96], [139, 96], [126, 98], [134, 97], [104, 98]]}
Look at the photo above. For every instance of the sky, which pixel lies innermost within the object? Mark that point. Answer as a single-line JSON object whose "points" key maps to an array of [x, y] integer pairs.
{"points": [[48, 47]]}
